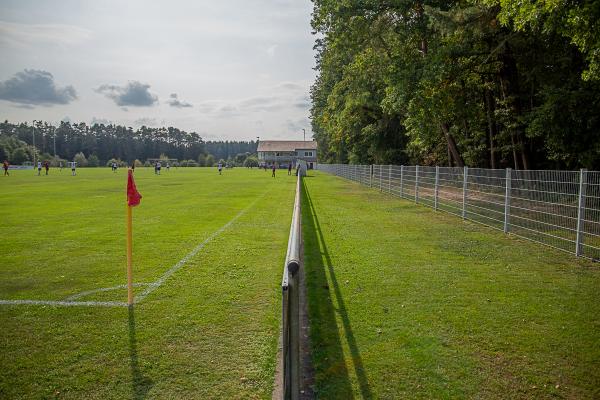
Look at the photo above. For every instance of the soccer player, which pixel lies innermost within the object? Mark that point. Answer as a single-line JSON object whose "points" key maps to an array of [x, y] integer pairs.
{"points": [[273, 169], [220, 168], [289, 168], [158, 166], [73, 166], [168, 166], [46, 166], [5, 166], [39, 168]]}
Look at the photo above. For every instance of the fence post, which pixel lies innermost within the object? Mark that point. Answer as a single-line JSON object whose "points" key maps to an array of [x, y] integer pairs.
{"points": [[401, 181], [464, 205], [437, 185], [580, 212], [390, 179], [380, 178], [508, 185], [371, 176], [416, 184]]}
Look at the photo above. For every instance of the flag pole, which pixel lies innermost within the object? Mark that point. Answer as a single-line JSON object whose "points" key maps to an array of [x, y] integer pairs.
{"points": [[129, 257]]}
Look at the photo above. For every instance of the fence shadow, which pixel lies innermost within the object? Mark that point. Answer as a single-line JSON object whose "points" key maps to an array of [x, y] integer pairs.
{"points": [[328, 355], [140, 384]]}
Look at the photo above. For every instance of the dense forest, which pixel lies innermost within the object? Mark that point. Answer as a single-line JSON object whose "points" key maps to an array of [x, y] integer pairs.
{"points": [[483, 83], [102, 143]]}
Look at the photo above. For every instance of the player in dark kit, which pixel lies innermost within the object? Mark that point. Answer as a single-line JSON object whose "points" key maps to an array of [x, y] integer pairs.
{"points": [[273, 169], [5, 166], [46, 166]]}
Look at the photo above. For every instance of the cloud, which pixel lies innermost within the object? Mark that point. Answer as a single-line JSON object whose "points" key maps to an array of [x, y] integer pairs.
{"points": [[290, 86], [175, 102], [303, 103], [17, 34], [147, 121], [35, 87], [133, 94], [100, 121], [296, 126], [271, 50]]}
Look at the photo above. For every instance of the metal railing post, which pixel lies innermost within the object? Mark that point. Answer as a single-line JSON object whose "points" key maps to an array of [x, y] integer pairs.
{"points": [[580, 212], [437, 187], [402, 181], [371, 176], [416, 184], [380, 178], [508, 185], [464, 205], [390, 178]]}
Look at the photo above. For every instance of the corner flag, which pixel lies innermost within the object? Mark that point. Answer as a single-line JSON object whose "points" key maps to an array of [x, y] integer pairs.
{"points": [[133, 199], [133, 196]]}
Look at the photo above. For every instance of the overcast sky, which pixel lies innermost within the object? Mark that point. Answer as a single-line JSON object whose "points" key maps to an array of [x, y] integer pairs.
{"points": [[227, 69]]}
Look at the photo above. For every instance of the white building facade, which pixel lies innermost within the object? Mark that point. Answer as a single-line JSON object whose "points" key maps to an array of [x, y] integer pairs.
{"points": [[285, 152]]}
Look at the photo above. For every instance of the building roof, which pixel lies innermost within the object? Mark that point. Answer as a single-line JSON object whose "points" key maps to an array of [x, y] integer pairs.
{"points": [[285, 145]]}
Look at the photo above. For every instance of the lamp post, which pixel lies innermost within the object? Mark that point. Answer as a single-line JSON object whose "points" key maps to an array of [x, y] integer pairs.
{"points": [[33, 136]]}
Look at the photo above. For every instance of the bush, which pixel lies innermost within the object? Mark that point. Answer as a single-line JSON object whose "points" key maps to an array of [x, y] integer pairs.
{"points": [[19, 156], [202, 160], [188, 163], [120, 163], [251, 161], [210, 160], [93, 161], [80, 160], [137, 163]]}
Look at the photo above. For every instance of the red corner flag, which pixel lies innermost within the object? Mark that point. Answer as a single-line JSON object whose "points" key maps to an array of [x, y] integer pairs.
{"points": [[133, 196]]}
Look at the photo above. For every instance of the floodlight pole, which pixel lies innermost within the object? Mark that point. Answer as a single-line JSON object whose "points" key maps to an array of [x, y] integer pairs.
{"points": [[304, 133], [54, 132], [33, 136]]}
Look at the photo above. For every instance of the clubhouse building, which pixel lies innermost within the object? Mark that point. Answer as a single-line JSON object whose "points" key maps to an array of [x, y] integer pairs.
{"points": [[285, 152]]}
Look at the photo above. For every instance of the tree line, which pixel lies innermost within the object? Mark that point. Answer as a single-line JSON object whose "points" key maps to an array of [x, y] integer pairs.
{"points": [[484, 83], [104, 143]]}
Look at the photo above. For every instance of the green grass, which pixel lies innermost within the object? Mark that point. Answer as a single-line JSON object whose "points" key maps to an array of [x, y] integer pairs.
{"points": [[210, 331], [406, 302]]}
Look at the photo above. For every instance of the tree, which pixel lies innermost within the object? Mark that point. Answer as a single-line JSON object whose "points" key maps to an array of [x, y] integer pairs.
{"points": [[93, 161], [210, 160], [251, 161], [202, 160], [80, 159], [478, 83], [19, 156]]}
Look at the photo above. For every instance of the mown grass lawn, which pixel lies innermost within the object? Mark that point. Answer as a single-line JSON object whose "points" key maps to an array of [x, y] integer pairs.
{"points": [[210, 331], [406, 302]]}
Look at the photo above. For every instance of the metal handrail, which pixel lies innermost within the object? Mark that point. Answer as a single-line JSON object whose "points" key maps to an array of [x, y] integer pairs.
{"points": [[290, 286]]}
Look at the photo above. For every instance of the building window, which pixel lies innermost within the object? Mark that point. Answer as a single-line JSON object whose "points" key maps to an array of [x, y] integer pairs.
{"points": [[308, 154]]}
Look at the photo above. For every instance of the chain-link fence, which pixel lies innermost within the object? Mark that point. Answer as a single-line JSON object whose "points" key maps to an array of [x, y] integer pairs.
{"points": [[560, 209]]}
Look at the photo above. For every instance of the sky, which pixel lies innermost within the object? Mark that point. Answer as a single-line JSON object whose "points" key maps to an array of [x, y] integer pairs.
{"points": [[228, 69]]}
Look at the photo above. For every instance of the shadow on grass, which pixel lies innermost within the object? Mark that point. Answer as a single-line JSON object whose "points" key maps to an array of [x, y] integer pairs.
{"points": [[328, 355], [141, 385]]}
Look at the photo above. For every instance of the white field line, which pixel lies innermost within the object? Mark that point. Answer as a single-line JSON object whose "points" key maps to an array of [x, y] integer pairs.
{"points": [[69, 301], [158, 283], [64, 303], [106, 289]]}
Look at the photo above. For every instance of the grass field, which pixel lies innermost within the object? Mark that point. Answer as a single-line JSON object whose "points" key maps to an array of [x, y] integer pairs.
{"points": [[208, 331], [409, 303]]}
